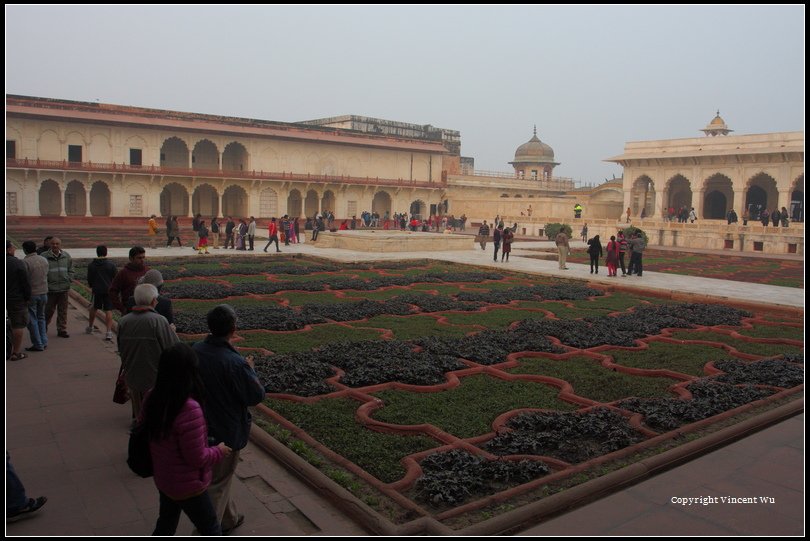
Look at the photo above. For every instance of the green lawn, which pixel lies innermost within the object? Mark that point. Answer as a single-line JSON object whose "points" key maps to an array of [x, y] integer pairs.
{"points": [[592, 380], [765, 350], [332, 423], [683, 358], [411, 327], [469, 409], [498, 318]]}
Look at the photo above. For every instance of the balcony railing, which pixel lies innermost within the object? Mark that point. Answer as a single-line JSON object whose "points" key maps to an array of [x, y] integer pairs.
{"points": [[215, 173]]}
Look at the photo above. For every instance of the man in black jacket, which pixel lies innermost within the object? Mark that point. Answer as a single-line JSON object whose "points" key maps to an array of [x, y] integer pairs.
{"points": [[231, 387], [18, 293]]}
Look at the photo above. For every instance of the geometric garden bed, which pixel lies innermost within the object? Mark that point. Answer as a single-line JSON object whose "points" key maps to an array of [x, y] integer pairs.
{"points": [[452, 394]]}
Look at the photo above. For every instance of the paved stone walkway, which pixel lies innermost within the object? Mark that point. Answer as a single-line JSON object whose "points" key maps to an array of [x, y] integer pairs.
{"points": [[68, 441]]}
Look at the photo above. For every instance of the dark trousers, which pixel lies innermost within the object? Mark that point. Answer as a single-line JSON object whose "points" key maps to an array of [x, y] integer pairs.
{"points": [[621, 262], [198, 508], [171, 239], [497, 247], [315, 234], [270, 241], [229, 239], [635, 264], [594, 262], [57, 302], [250, 242]]}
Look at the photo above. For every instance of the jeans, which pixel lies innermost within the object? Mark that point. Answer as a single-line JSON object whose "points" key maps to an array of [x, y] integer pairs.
{"points": [[198, 508], [36, 320], [16, 500]]}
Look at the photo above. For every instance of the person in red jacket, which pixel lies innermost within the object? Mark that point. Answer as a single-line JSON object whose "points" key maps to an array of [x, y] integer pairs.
{"points": [[178, 442], [272, 234], [123, 285]]}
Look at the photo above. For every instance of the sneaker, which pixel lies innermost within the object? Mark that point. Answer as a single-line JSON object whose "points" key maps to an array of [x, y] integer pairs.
{"points": [[30, 508], [89, 330], [109, 336]]}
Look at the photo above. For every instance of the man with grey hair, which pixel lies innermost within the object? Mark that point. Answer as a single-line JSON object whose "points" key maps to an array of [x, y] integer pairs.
{"points": [[60, 276], [143, 334]]}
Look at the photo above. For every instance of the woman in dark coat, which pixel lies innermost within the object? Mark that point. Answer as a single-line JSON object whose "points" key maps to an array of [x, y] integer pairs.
{"points": [[506, 238], [595, 251]]}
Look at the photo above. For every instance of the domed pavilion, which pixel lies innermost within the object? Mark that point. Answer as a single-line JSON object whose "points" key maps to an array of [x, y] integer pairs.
{"points": [[534, 159]]}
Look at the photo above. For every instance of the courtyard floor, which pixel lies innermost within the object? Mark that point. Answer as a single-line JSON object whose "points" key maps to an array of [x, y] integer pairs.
{"points": [[66, 442]]}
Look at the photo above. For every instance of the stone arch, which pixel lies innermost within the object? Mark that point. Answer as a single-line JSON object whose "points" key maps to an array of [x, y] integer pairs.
{"points": [[761, 193], [381, 203], [310, 204], [269, 160], [100, 199], [268, 203], [328, 201], [678, 193], [797, 199], [49, 147], [235, 157], [294, 203], [174, 200], [75, 199], [205, 201], [718, 198], [205, 155], [50, 198], [235, 202], [418, 209], [100, 149], [756, 200], [715, 205], [174, 153], [504, 195], [642, 196], [139, 143]]}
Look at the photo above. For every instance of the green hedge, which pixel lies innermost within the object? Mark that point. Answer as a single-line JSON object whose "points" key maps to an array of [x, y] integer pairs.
{"points": [[553, 229]]}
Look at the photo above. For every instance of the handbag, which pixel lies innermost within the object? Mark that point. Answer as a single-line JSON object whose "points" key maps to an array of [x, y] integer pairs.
{"points": [[139, 458], [121, 393]]}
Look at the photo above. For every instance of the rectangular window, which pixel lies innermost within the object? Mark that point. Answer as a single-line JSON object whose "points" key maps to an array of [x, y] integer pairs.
{"points": [[351, 209], [135, 156], [757, 246], [729, 244], [791, 248], [75, 153], [11, 150], [534, 174], [11, 203], [136, 205], [162, 157]]}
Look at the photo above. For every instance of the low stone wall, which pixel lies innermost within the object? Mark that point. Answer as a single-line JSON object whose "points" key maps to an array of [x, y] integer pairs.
{"points": [[393, 241], [703, 234]]}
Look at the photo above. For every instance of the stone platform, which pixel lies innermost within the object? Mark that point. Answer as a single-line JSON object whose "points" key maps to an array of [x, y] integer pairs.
{"points": [[393, 241]]}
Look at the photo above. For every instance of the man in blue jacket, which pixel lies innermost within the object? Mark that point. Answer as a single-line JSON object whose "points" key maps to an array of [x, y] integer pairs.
{"points": [[231, 387]]}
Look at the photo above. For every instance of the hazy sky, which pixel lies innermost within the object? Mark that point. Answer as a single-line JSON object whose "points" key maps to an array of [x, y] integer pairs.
{"points": [[590, 77]]}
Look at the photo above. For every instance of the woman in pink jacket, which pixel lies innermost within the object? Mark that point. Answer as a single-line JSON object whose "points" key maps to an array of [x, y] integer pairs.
{"points": [[181, 457]]}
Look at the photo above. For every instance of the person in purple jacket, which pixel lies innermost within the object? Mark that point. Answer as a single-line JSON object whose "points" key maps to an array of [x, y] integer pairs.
{"points": [[178, 434]]}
